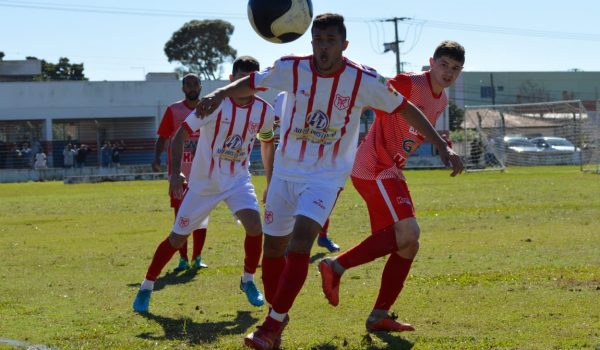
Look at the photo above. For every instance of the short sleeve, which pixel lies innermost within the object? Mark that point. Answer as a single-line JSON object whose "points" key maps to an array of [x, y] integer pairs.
{"points": [[279, 76], [193, 123], [166, 127], [380, 94], [403, 84]]}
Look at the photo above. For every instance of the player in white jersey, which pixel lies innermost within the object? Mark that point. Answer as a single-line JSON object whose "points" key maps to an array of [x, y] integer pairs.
{"points": [[314, 157], [219, 173]]}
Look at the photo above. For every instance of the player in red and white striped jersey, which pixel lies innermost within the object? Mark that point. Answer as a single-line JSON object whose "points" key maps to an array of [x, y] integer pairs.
{"points": [[315, 155], [172, 119], [377, 175], [219, 173]]}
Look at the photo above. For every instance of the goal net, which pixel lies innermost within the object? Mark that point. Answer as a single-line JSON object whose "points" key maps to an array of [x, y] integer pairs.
{"points": [[550, 133]]}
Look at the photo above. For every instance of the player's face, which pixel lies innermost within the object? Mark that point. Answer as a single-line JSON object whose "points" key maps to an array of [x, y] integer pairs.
{"points": [[444, 71], [191, 88], [328, 45]]}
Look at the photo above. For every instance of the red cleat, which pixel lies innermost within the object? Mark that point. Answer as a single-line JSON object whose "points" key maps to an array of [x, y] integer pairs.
{"points": [[266, 336], [277, 342], [330, 281], [389, 324]]}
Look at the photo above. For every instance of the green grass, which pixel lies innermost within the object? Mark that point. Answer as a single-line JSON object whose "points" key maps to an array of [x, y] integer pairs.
{"points": [[508, 261]]}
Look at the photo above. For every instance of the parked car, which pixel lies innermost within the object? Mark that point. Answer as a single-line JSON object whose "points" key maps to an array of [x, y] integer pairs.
{"points": [[558, 150], [520, 151]]}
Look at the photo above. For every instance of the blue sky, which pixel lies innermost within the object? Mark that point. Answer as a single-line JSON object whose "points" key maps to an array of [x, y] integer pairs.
{"points": [[123, 40]]}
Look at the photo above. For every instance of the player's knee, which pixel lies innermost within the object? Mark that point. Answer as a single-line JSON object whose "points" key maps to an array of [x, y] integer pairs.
{"points": [[407, 235], [274, 247], [176, 240]]}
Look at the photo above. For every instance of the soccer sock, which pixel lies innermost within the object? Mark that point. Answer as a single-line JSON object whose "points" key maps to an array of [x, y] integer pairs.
{"points": [[271, 272], [146, 284], [246, 277], [163, 254], [183, 251], [324, 230], [291, 281], [392, 280], [377, 245], [253, 249], [199, 239]]}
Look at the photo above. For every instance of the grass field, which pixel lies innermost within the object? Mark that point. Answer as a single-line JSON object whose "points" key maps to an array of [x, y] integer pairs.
{"points": [[508, 261]]}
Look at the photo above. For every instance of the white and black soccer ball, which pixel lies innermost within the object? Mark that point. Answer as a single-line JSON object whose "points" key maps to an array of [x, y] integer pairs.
{"points": [[280, 21]]}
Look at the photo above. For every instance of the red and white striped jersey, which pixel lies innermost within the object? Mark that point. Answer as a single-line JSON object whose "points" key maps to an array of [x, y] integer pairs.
{"points": [[320, 123], [174, 116], [228, 135], [391, 139]]}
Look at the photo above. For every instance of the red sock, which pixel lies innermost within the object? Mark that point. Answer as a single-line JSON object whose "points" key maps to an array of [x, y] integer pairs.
{"points": [[183, 251], [199, 239], [271, 272], [163, 254], [291, 281], [324, 230], [253, 249], [392, 280], [377, 245]]}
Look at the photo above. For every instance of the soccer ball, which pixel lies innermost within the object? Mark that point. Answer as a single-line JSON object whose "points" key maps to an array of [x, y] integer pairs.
{"points": [[280, 21]]}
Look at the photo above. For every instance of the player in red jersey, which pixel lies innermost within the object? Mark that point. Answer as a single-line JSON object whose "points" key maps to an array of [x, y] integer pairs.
{"points": [[174, 116], [315, 156], [220, 173], [377, 175]]}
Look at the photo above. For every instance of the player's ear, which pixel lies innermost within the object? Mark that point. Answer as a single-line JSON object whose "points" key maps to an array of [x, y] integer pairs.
{"points": [[230, 77], [431, 61], [345, 45]]}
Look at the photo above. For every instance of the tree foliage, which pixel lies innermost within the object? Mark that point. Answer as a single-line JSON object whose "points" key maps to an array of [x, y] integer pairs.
{"points": [[63, 70], [1, 55], [457, 115], [201, 46]]}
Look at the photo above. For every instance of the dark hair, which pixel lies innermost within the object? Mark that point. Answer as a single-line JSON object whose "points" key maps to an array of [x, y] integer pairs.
{"points": [[245, 64], [190, 76], [450, 49], [326, 20]]}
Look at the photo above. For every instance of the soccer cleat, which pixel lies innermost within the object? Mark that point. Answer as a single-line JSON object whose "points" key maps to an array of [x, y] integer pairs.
{"points": [[183, 265], [389, 324], [277, 342], [330, 281], [266, 336], [198, 264], [326, 242], [142, 300], [254, 296]]}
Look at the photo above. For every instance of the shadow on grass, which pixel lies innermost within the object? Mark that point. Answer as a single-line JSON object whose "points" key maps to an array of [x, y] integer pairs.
{"points": [[184, 329], [171, 278], [392, 342]]}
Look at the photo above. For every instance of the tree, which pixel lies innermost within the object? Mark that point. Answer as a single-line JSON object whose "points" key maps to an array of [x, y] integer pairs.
{"points": [[457, 115], [1, 55], [201, 46], [63, 70]]}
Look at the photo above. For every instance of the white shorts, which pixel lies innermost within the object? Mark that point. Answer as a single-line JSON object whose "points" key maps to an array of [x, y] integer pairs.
{"points": [[195, 208], [286, 200]]}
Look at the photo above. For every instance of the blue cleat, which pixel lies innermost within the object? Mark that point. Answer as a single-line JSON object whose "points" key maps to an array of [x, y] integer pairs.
{"points": [[142, 300], [198, 264], [326, 242], [183, 265], [254, 296]]}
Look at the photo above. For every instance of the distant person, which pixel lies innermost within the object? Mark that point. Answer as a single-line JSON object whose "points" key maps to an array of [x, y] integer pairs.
{"points": [[68, 156], [26, 155], [81, 155], [106, 154], [117, 149], [40, 160]]}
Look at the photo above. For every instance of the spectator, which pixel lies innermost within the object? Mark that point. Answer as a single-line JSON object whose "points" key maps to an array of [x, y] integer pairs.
{"points": [[81, 155], [40, 160], [476, 150], [26, 156], [68, 155], [117, 149], [106, 154]]}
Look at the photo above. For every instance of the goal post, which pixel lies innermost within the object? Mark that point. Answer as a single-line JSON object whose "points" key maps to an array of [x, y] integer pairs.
{"points": [[494, 137]]}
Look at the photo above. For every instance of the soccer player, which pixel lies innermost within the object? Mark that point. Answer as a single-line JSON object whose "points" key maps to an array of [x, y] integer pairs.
{"points": [[315, 156], [377, 175], [219, 173], [174, 116]]}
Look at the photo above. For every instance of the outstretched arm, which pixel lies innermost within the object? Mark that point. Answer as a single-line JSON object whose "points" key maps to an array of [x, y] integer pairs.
{"points": [[239, 88], [417, 119]]}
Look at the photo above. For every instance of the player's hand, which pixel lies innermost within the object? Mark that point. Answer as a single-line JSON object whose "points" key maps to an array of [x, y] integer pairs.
{"points": [[209, 103], [176, 186], [156, 165], [451, 159]]}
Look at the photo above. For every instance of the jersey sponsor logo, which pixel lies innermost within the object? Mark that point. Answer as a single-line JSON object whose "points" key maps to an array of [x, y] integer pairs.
{"points": [[184, 222], [318, 130], [399, 160], [413, 131], [268, 217], [342, 102], [408, 145], [253, 128], [232, 149], [189, 149]]}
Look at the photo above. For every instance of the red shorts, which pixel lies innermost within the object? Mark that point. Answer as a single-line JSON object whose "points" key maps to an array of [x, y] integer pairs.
{"points": [[388, 201], [176, 203]]}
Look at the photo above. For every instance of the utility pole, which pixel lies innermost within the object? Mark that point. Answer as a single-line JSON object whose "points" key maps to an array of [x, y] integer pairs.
{"points": [[395, 45]]}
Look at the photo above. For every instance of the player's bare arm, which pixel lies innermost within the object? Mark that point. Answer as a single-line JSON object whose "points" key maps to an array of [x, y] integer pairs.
{"points": [[159, 146], [177, 178], [417, 119], [210, 102], [267, 152]]}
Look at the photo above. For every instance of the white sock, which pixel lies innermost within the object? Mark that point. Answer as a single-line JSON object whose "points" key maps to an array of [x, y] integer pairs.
{"points": [[246, 277], [147, 284], [277, 316]]}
